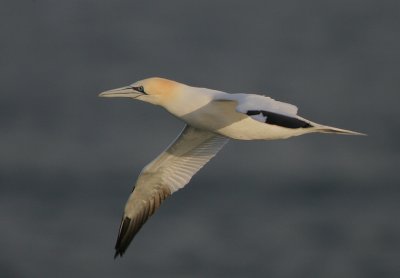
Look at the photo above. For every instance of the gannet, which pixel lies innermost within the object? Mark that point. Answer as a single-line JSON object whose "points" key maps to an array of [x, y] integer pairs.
{"points": [[212, 118]]}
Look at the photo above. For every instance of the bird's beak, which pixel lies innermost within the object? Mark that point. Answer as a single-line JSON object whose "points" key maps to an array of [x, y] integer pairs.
{"points": [[121, 92]]}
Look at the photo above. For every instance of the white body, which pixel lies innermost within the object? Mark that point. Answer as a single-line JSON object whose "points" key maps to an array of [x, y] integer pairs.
{"points": [[212, 117], [224, 113]]}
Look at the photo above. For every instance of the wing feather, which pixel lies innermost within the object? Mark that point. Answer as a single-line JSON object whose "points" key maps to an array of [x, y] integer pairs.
{"points": [[248, 102], [267, 110], [169, 172]]}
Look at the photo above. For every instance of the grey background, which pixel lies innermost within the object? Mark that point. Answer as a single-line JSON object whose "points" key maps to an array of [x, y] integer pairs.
{"points": [[312, 206]]}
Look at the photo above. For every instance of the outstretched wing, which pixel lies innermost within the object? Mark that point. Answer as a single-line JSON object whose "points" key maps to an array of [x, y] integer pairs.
{"points": [[248, 102], [170, 171], [267, 110]]}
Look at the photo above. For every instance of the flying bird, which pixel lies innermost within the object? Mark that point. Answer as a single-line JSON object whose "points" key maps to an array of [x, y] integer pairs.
{"points": [[212, 118]]}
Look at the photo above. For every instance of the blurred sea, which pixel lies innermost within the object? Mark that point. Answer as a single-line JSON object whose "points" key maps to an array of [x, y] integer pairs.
{"points": [[312, 206]]}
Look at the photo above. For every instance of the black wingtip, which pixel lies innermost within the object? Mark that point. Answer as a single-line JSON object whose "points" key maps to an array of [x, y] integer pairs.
{"points": [[129, 227], [280, 120], [117, 253], [119, 246]]}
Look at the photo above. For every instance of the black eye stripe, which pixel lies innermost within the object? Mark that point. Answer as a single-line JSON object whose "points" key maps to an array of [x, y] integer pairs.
{"points": [[139, 89]]}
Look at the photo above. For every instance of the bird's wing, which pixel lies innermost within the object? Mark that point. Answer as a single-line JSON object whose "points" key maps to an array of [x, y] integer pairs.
{"points": [[170, 171], [248, 102], [267, 110]]}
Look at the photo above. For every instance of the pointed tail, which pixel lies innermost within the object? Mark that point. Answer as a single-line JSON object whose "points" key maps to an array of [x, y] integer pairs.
{"points": [[330, 129]]}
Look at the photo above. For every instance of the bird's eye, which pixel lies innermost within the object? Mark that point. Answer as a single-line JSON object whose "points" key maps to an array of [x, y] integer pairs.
{"points": [[139, 89]]}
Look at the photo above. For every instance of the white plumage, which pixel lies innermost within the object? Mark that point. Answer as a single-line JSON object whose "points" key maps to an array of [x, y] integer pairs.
{"points": [[257, 102], [212, 117], [191, 150]]}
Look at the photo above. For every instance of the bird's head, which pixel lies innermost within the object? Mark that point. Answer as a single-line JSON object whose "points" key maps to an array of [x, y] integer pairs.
{"points": [[154, 90]]}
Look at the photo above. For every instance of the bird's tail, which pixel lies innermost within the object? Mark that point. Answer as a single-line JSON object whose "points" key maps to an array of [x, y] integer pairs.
{"points": [[330, 129]]}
